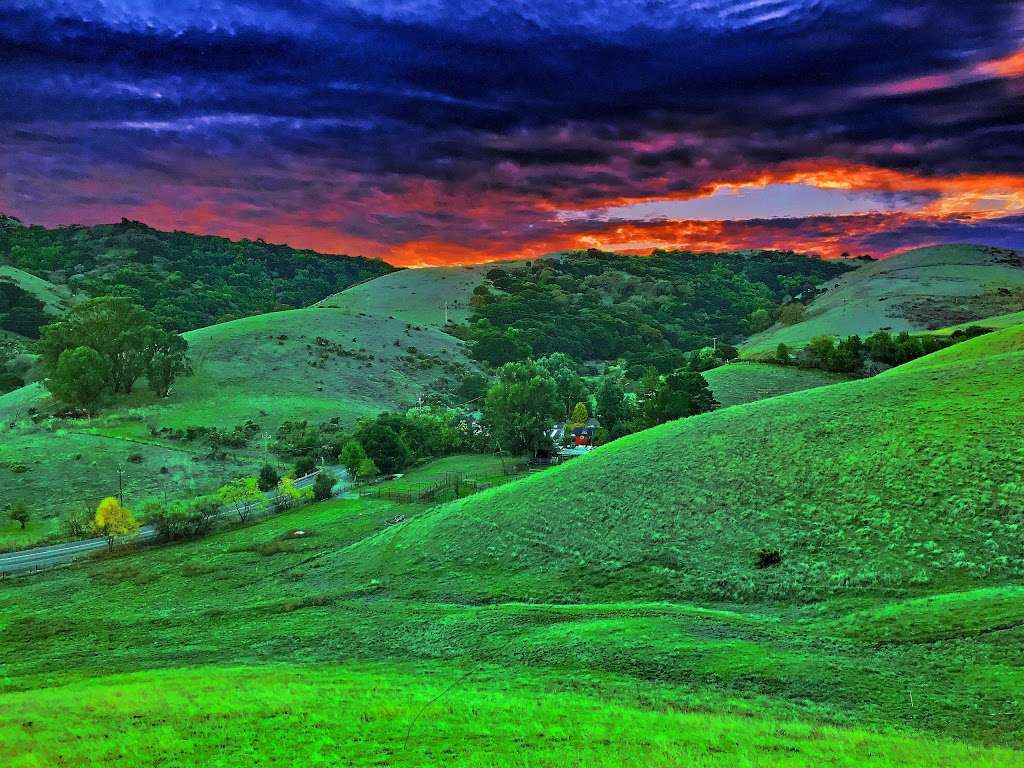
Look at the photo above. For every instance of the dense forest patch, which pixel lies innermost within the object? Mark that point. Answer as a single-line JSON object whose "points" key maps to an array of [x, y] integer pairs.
{"points": [[647, 310], [188, 281]]}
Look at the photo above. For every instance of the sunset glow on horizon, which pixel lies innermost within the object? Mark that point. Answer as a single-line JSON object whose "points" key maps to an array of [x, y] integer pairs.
{"points": [[423, 136]]}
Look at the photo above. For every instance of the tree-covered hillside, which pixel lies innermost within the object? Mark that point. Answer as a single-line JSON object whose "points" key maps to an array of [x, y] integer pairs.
{"points": [[188, 281], [648, 310]]}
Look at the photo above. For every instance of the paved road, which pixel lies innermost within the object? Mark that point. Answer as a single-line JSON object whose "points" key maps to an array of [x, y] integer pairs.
{"points": [[41, 558]]}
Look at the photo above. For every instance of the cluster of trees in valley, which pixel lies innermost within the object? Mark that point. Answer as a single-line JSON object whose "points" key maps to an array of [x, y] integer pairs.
{"points": [[642, 310]]}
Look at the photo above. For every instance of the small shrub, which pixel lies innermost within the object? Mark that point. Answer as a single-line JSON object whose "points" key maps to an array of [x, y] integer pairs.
{"points": [[768, 558]]}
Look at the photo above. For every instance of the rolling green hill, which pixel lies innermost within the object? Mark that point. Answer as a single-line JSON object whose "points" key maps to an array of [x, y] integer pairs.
{"points": [[923, 289], [586, 614], [741, 383], [908, 479], [334, 360]]}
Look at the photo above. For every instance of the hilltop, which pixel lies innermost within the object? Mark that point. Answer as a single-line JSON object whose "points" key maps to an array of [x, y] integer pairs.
{"points": [[879, 484], [188, 281], [922, 289]]}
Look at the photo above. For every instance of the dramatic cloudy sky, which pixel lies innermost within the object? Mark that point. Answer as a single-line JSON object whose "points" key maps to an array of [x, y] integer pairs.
{"points": [[427, 131]]}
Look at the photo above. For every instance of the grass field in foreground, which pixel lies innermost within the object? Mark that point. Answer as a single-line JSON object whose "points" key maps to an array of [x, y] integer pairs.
{"points": [[260, 594], [739, 383], [412, 716]]}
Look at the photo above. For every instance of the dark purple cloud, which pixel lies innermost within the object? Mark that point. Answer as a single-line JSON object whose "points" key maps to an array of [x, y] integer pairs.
{"points": [[369, 126]]}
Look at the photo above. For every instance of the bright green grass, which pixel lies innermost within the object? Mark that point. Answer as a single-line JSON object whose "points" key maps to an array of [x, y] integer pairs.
{"points": [[940, 282], [937, 617], [259, 594], [470, 466], [740, 383], [908, 479], [371, 715]]}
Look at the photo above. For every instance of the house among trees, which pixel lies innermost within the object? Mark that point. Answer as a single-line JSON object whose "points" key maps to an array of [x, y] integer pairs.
{"points": [[584, 434]]}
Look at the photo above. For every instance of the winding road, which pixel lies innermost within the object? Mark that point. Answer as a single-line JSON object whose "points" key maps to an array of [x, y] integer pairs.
{"points": [[41, 558]]}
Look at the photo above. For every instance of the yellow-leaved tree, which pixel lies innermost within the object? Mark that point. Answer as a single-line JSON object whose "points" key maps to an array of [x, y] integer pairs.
{"points": [[577, 418], [113, 520]]}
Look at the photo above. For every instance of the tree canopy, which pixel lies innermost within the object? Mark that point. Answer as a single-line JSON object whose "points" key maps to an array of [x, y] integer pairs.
{"points": [[125, 342], [187, 281]]}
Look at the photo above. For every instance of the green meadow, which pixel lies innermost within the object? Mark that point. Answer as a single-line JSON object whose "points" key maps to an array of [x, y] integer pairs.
{"points": [[334, 360], [614, 609]]}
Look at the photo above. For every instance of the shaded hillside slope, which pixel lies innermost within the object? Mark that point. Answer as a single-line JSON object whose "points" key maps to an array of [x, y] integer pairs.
{"points": [[905, 481], [923, 289], [741, 383]]}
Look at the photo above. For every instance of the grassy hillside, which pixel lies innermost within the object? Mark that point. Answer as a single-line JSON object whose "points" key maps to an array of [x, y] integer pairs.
{"points": [[923, 289], [416, 296], [269, 617], [741, 383], [368, 715], [56, 299], [323, 362], [906, 480]]}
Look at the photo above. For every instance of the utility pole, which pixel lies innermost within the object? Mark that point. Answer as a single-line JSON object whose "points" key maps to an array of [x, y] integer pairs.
{"points": [[120, 484], [266, 446], [446, 311]]}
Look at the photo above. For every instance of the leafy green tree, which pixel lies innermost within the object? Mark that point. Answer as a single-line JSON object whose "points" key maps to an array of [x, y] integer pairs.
{"points": [[19, 513], [268, 478], [304, 466], [782, 354], [612, 406], [289, 494], [366, 469], [432, 431], [126, 335], [473, 387], [497, 346], [569, 384], [578, 417], [169, 361], [80, 377], [792, 313], [681, 394], [243, 496], [324, 485], [521, 407], [384, 446], [352, 456], [760, 320], [183, 520]]}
